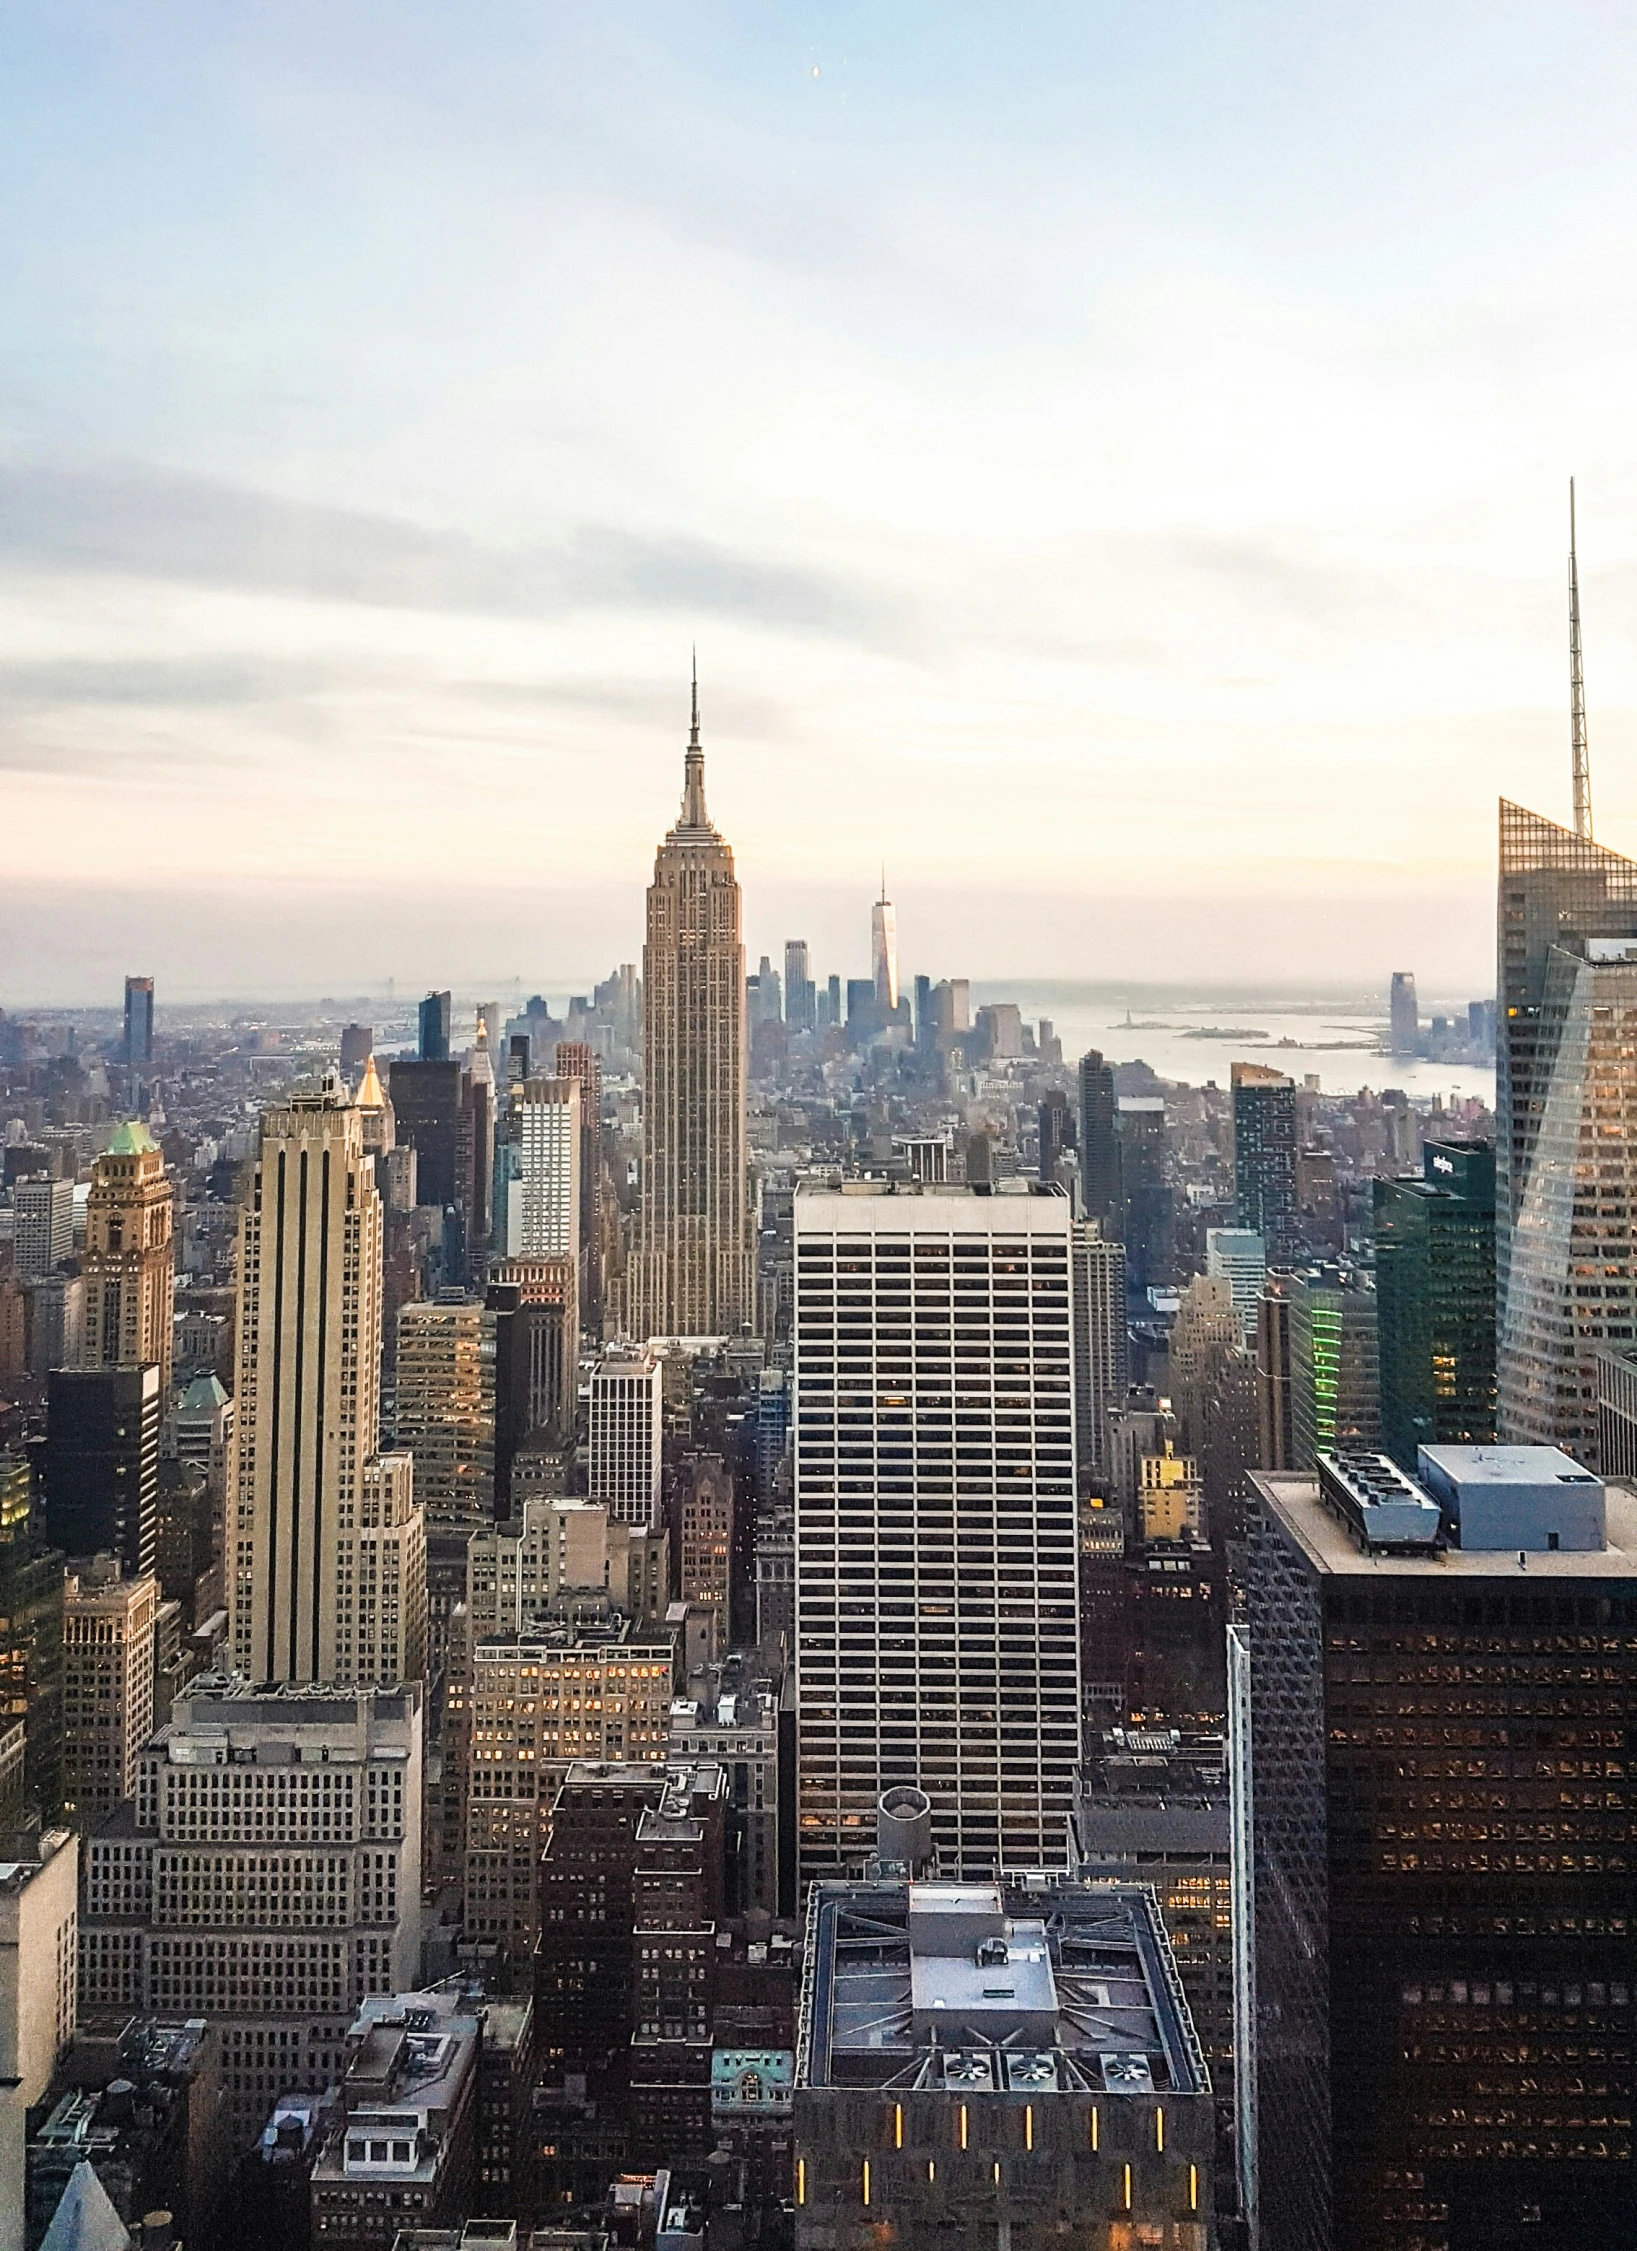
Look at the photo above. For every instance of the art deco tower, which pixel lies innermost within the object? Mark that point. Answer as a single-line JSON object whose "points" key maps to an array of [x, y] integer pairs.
{"points": [[693, 1264], [328, 1543], [130, 1269]]}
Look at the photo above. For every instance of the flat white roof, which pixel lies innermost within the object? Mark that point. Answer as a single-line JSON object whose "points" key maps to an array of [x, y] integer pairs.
{"points": [[942, 1211], [1509, 1465]]}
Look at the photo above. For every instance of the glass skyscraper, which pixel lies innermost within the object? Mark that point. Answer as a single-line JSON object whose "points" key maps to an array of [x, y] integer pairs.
{"points": [[1264, 1157], [1099, 1143], [1435, 1301], [1566, 1095]]}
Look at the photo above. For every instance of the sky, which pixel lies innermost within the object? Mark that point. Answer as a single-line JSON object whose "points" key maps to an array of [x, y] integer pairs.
{"points": [[1112, 461]]}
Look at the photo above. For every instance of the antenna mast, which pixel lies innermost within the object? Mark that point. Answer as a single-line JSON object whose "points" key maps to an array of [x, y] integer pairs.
{"points": [[1577, 695]]}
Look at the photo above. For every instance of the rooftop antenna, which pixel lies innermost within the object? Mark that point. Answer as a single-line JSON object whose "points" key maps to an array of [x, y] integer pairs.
{"points": [[1577, 695]]}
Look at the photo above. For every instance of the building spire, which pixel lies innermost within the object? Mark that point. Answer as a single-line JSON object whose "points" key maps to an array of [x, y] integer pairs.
{"points": [[1581, 762], [693, 770]]}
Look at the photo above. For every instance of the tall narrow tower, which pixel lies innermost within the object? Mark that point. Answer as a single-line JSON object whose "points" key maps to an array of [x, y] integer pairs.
{"points": [[884, 951], [328, 1544], [129, 1265], [1577, 696], [693, 1273]]}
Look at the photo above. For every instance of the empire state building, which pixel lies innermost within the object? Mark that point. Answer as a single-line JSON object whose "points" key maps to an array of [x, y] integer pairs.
{"points": [[693, 1266]]}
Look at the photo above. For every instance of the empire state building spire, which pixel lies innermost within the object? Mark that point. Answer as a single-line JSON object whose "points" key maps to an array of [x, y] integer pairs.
{"points": [[695, 820]]}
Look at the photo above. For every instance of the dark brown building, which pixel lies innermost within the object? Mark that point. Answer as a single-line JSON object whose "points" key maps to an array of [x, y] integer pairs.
{"points": [[1437, 1742]]}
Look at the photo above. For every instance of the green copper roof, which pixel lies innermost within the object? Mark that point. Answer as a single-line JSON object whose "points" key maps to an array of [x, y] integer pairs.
{"points": [[132, 1139]]}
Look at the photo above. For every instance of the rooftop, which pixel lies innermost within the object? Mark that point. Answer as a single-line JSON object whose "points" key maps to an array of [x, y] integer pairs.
{"points": [[1329, 1547], [1035, 1981], [1510, 1465]]}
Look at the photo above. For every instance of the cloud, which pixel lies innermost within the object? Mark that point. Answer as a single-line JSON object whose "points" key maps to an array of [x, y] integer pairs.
{"points": [[203, 683], [151, 522]]}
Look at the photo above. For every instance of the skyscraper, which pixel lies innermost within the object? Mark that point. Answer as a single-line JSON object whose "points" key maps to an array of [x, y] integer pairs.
{"points": [[102, 1463], [693, 1266], [1566, 1154], [1240, 1256], [138, 1022], [938, 1635], [544, 1208], [1435, 1301], [884, 952], [1207, 1328], [43, 1226], [579, 1061], [478, 1094], [446, 1417], [129, 1267], [108, 1682], [428, 1113], [1056, 1131], [436, 1017], [1264, 1157], [1101, 1344], [1404, 1013], [1441, 1962], [624, 1436], [798, 986], [1146, 1222], [1335, 1377], [327, 1544], [1099, 1143]]}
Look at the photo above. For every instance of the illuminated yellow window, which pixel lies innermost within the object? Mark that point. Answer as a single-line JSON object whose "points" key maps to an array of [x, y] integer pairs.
{"points": [[1193, 2188], [1094, 2134], [1127, 2190], [1159, 2127], [1028, 2125], [963, 2125], [898, 2125], [867, 2181], [801, 2180]]}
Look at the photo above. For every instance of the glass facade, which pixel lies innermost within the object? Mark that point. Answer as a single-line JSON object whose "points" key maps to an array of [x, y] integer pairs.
{"points": [[1435, 1301], [1566, 1097], [1445, 1962], [1334, 1379], [1264, 1157]]}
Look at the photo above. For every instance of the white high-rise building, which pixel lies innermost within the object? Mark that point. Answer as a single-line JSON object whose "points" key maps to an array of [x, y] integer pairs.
{"points": [[1238, 1256], [543, 1207], [43, 1226], [624, 1435], [267, 1876], [937, 1636]]}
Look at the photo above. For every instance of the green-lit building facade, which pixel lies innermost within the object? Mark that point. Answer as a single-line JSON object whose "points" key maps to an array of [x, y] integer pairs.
{"points": [[1334, 1381]]}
